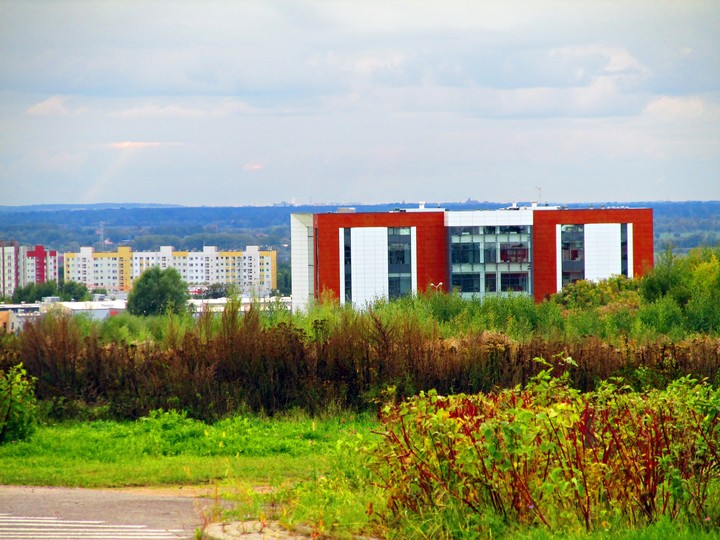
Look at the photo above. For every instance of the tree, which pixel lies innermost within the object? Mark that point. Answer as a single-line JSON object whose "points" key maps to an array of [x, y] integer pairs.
{"points": [[34, 292], [157, 291], [72, 290], [284, 283], [217, 290]]}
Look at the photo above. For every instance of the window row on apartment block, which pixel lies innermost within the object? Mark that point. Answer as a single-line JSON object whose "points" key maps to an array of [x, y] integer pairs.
{"points": [[253, 271], [359, 257]]}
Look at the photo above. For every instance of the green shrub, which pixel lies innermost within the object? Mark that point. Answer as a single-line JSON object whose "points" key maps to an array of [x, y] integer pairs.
{"points": [[550, 456], [17, 405]]}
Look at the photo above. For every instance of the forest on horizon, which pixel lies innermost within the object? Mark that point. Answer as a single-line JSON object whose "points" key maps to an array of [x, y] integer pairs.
{"points": [[65, 228]]}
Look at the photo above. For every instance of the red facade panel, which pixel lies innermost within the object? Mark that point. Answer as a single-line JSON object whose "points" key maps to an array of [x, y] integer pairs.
{"points": [[431, 238], [545, 248]]}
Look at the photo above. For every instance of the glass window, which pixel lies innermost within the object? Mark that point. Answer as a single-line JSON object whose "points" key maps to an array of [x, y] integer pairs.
{"points": [[490, 282], [348, 265], [399, 285], [573, 251], [572, 238], [468, 253], [624, 249], [490, 252], [399, 253], [514, 252], [466, 283], [465, 231], [514, 281], [514, 229], [489, 230], [572, 277]]}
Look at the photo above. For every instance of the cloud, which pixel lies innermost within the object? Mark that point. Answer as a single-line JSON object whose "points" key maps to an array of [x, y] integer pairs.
{"points": [[217, 108], [125, 145], [61, 162], [673, 108], [409, 96], [54, 106]]}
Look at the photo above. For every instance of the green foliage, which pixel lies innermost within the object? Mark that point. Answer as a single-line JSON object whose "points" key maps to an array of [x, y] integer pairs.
{"points": [[167, 446], [333, 356], [663, 316], [35, 292], [703, 308], [549, 456], [158, 291], [216, 290], [668, 277], [284, 278], [124, 329], [585, 294], [17, 405]]}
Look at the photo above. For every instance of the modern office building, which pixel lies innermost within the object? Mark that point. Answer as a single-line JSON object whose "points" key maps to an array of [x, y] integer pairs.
{"points": [[253, 271], [535, 250], [22, 265]]}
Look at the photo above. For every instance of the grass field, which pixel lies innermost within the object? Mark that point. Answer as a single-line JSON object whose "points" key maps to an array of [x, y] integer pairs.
{"points": [[168, 448], [299, 470]]}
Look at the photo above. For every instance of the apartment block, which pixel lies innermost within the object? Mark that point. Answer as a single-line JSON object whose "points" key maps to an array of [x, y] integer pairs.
{"points": [[253, 271], [22, 265], [533, 250]]}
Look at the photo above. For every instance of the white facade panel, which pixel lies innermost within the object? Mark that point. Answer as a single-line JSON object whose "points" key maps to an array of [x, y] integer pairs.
{"points": [[481, 218], [369, 260], [630, 250], [558, 255], [302, 260], [341, 262], [413, 259], [602, 251]]}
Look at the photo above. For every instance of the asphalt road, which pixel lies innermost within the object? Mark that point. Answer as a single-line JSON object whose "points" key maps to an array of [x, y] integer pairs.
{"points": [[41, 513]]}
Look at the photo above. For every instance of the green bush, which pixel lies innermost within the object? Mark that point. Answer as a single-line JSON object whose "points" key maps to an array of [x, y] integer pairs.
{"points": [[17, 405], [549, 456]]}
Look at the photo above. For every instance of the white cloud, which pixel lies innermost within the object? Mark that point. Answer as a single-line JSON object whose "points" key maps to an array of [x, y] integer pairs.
{"points": [[674, 108], [132, 145], [219, 108], [253, 166], [58, 162], [357, 98], [54, 106]]}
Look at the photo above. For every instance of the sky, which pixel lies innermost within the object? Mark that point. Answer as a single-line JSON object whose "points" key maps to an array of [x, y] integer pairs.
{"points": [[234, 103]]}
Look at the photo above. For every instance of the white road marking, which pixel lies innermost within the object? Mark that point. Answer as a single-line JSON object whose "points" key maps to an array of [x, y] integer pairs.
{"points": [[52, 528]]}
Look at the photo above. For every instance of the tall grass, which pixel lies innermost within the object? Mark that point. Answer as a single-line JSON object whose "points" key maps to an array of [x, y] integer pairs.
{"points": [[333, 356]]}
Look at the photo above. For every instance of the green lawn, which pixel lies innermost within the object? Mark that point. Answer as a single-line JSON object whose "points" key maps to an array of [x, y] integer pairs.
{"points": [[309, 471], [170, 449]]}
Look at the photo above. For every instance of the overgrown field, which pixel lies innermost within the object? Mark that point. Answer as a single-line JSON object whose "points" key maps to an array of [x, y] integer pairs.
{"points": [[535, 462], [650, 331], [595, 412]]}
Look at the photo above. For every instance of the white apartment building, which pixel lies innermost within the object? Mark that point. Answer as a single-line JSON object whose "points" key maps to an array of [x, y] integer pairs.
{"points": [[253, 271]]}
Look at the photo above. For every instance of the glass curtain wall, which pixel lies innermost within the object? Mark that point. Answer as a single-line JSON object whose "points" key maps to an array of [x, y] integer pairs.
{"points": [[572, 238], [490, 259], [399, 262]]}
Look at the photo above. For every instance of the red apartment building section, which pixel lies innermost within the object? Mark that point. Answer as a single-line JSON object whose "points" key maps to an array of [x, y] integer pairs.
{"points": [[431, 244], [40, 259], [545, 248]]}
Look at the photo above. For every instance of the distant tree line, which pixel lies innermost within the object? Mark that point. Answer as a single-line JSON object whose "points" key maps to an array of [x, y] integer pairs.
{"points": [[683, 225], [67, 291]]}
